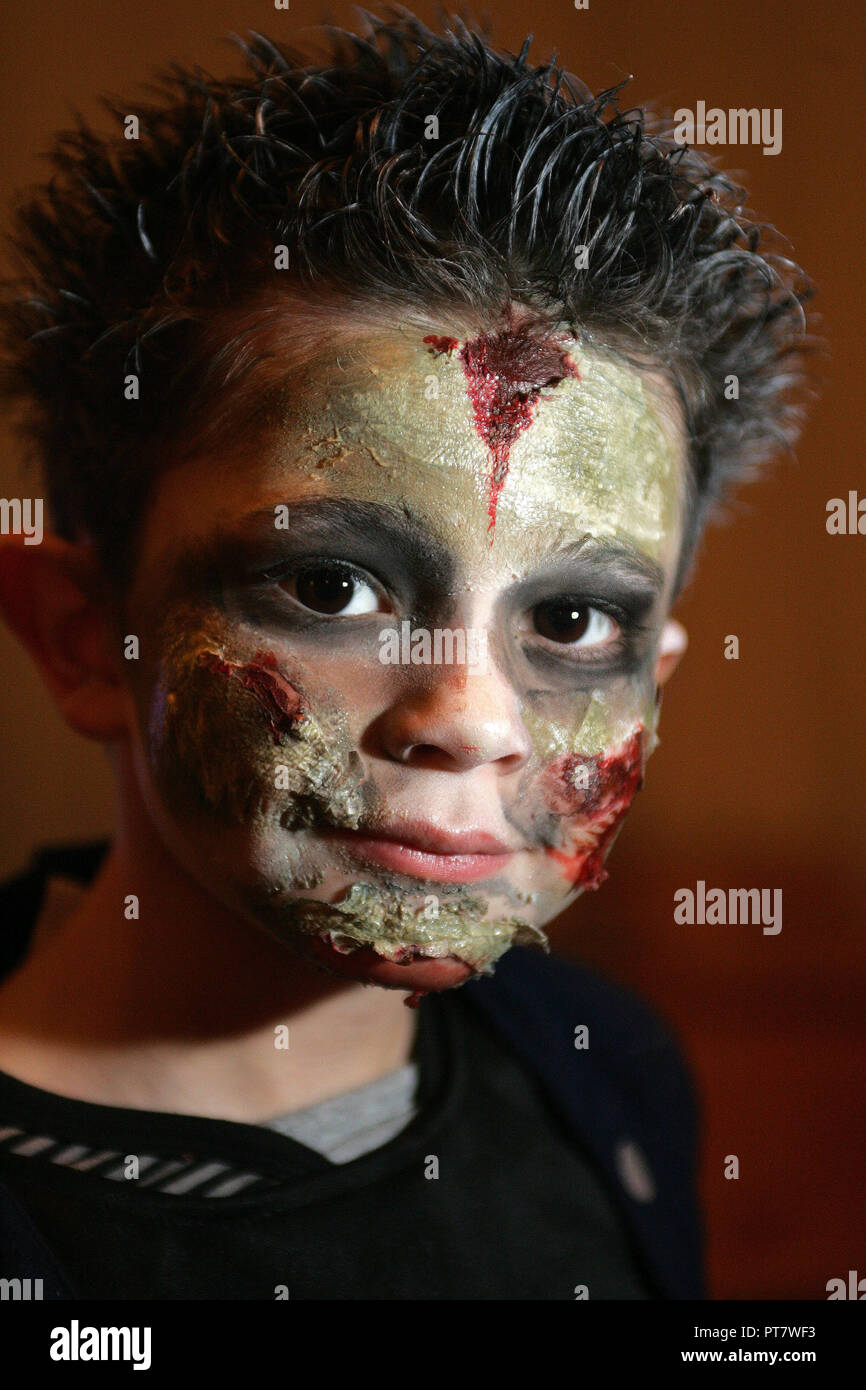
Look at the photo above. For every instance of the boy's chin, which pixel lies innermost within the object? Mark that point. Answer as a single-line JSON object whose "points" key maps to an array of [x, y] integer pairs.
{"points": [[418, 974]]}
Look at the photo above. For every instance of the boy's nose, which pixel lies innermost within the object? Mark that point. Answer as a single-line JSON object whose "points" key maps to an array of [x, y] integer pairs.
{"points": [[462, 719]]}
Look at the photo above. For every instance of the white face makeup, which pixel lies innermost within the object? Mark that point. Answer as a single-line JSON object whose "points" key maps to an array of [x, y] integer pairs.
{"points": [[405, 821]]}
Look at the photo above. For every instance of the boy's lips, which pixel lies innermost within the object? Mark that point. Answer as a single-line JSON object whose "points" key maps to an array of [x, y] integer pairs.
{"points": [[418, 973], [425, 851]]}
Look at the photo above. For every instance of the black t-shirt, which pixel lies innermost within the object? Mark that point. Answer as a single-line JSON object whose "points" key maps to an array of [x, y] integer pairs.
{"points": [[482, 1196]]}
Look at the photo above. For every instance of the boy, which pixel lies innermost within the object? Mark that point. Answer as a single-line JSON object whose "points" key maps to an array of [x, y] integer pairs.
{"points": [[381, 405]]}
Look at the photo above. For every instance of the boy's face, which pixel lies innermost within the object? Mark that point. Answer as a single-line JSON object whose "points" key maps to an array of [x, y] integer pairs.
{"points": [[397, 686]]}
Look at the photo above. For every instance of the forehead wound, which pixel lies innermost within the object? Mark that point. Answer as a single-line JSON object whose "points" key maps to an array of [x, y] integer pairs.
{"points": [[505, 375], [578, 433]]}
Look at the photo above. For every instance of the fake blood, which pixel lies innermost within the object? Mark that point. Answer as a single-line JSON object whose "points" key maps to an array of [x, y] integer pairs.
{"points": [[599, 790], [505, 374], [279, 701], [437, 344]]}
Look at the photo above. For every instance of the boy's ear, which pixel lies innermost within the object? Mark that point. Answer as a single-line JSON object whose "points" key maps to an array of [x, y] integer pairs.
{"points": [[672, 643], [55, 601]]}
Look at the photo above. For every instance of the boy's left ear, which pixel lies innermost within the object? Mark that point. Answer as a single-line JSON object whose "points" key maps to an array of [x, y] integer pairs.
{"points": [[672, 644]]}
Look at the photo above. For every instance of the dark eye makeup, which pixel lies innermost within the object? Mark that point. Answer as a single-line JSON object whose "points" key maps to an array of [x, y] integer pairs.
{"points": [[324, 596], [343, 569]]}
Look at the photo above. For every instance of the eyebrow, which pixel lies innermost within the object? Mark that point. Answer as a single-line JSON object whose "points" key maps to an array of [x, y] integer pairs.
{"points": [[613, 555], [620, 566], [379, 532]]}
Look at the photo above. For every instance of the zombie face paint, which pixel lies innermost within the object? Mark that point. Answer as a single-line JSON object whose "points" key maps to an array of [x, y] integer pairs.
{"points": [[405, 824]]}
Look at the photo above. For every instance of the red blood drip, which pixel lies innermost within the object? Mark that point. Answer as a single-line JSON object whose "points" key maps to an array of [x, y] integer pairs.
{"points": [[279, 701], [441, 344], [599, 790], [506, 373]]}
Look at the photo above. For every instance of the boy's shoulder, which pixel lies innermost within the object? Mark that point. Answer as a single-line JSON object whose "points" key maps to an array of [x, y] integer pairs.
{"points": [[624, 1021], [616, 1073], [589, 1030]]}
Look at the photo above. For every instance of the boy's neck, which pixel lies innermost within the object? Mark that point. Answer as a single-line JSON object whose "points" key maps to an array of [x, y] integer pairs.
{"points": [[181, 1009]]}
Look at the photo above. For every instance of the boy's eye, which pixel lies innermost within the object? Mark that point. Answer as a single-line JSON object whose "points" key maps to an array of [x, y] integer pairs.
{"points": [[567, 621], [333, 589]]}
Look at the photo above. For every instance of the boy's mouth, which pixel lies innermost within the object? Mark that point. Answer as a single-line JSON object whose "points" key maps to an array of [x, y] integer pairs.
{"points": [[427, 852]]}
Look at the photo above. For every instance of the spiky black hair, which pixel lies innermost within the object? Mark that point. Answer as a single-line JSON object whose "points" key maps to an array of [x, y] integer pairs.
{"points": [[135, 245]]}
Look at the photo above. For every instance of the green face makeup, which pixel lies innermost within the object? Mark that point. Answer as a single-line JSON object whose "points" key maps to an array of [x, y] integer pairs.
{"points": [[587, 454], [529, 489]]}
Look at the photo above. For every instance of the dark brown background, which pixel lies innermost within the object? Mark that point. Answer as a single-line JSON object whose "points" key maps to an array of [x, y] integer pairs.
{"points": [[758, 779]]}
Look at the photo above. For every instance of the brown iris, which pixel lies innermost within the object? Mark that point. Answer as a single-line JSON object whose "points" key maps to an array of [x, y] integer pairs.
{"points": [[325, 588], [561, 620]]}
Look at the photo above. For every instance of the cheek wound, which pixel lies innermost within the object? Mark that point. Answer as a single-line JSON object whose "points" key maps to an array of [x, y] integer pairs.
{"points": [[597, 791], [279, 702], [505, 375], [237, 740]]}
